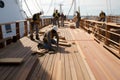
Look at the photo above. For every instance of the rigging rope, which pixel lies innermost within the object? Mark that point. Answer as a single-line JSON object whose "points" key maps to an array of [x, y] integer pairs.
{"points": [[50, 6], [35, 6], [21, 5], [86, 8], [110, 7], [71, 7], [28, 7], [38, 5]]}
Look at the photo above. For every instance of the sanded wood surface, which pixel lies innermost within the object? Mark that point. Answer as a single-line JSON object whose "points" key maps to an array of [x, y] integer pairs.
{"points": [[21, 49], [84, 60], [11, 60]]}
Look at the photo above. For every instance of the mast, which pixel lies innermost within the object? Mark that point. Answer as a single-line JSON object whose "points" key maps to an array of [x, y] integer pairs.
{"points": [[61, 8], [74, 6]]}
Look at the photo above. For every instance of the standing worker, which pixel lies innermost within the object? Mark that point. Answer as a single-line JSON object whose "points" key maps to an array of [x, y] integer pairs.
{"points": [[56, 16], [78, 19], [35, 25], [62, 19], [102, 16]]}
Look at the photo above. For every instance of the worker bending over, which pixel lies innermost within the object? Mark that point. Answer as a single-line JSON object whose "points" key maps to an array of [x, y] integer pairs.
{"points": [[50, 37]]}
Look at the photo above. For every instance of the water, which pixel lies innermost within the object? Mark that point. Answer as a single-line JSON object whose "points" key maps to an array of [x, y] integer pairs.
{"points": [[68, 17], [43, 17]]}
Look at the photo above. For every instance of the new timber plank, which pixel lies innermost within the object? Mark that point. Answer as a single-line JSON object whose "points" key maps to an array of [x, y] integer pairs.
{"points": [[23, 52], [67, 68], [35, 74], [62, 64], [42, 69], [48, 69], [11, 60], [8, 69], [102, 63], [87, 73], [72, 66], [56, 72], [79, 73]]}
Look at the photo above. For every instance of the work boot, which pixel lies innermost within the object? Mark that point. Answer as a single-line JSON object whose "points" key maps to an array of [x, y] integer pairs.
{"points": [[37, 37], [31, 37]]}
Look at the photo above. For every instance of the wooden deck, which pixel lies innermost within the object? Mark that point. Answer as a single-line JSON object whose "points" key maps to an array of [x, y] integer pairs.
{"points": [[84, 60]]}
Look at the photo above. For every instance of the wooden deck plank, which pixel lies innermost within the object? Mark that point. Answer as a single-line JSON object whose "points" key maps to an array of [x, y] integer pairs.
{"points": [[47, 75], [107, 62], [87, 75], [72, 68], [28, 60], [57, 74], [101, 61], [35, 75], [63, 65], [79, 73], [11, 70], [11, 60], [67, 68], [84, 60], [8, 69], [42, 69], [51, 67]]}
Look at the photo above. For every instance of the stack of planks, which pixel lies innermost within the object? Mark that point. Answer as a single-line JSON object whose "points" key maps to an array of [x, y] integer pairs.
{"points": [[20, 51]]}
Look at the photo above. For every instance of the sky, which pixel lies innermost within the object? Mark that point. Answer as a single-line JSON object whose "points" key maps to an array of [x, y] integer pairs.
{"points": [[87, 7]]}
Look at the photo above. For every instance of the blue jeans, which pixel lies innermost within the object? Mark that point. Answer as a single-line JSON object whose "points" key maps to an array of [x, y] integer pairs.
{"points": [[77, 24], [49, 45]]}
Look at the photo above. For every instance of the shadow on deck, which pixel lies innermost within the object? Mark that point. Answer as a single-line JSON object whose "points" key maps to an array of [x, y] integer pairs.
{"points": [[84, 60]]}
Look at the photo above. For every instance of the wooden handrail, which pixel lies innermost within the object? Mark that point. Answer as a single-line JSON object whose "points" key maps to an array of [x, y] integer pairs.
{"points": [[103, 27], [27, 24]]}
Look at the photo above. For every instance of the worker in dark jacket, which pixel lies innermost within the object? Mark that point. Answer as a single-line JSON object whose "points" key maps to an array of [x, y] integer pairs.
{"points": [[35, 25], [51, 37], [78, 19], [102, 16], [56, 16]]}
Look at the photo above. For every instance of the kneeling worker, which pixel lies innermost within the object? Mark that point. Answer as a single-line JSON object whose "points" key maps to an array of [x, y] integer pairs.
{"points": [[51, 37]]}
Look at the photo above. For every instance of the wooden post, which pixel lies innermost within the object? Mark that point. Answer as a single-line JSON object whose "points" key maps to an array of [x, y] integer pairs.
{"points": [[17, 30], [41, 24], [119, 47], [1, 35], [45, 22], [107, 35], [81, 21], [31, 29], [109, 19], [26, 28]]}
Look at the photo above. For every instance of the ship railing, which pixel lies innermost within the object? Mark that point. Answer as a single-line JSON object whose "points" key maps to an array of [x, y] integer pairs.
{"points": [[106, 33], [12, 31], [113, 19]]}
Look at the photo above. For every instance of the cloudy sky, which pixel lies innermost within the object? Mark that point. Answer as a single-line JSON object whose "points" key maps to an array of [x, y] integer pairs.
{"points": [[87, 7]]}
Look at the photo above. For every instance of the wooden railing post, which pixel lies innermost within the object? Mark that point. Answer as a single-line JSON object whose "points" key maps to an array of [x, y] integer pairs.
{"points": [[119, 47], [107, 35], [17, 30], [26, 28], [1, 35], [81, 23], [40, 25]]}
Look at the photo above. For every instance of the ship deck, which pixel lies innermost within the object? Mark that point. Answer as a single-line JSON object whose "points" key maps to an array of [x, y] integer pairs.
{"points": [[84, 60]]}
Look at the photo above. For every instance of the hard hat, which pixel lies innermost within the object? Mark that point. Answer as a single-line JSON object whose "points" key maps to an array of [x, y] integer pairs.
{"points": [[55, 28]]}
